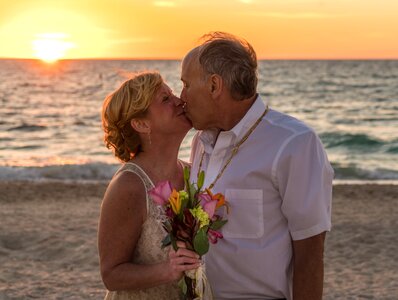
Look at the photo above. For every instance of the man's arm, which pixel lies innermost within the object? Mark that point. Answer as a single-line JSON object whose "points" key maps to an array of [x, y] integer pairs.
{"points": [[308, 268]]}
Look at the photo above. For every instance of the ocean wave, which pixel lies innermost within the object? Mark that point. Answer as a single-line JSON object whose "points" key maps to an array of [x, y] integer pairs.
{"points": [[382, 76], [355, 172], [380, 119], [337, 139], [27, 127], [104, 172], [93, 171], [27, 147], [6, 139], [392, 149]]}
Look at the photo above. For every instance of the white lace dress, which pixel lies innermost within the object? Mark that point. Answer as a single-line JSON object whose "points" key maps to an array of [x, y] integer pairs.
{"points": [[148, 249]]}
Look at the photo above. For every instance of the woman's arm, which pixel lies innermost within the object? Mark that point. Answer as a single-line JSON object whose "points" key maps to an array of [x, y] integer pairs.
{"points": [[123, 212]]}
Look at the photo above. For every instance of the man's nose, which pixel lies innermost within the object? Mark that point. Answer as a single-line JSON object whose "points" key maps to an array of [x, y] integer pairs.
{"points": [[182, 95]]}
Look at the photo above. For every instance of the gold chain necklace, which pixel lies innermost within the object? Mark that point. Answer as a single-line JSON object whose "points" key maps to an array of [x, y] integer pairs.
{"points": [[234, 150]]}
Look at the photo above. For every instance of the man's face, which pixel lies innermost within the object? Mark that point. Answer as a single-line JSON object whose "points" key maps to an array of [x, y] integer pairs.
{"points": [[195, 93]]}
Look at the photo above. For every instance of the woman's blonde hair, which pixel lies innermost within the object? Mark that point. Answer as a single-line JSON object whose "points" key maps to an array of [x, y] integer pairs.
{"points": [[131, 100]]}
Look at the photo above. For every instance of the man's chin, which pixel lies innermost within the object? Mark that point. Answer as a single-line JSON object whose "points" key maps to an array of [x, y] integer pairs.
{"points": [[188, 117], [193, 123], [189, 121], [198, 126]]}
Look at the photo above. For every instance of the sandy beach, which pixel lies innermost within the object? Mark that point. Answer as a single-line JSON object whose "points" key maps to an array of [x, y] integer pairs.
{"points": [[48, 241]]}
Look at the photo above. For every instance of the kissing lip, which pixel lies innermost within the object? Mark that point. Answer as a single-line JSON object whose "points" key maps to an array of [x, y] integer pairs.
{"points": [[181, 113]]}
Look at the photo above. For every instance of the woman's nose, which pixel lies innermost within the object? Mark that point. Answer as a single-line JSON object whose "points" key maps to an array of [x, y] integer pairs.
{"points": [[177, 101]]}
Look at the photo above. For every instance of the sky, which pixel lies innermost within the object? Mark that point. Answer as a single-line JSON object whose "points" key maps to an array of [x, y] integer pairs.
{"points": [[277, 29]]}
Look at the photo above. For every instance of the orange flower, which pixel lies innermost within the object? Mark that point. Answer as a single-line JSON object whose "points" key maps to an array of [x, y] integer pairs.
{"points": [[175, 201], [219, 197], [220, 200]]}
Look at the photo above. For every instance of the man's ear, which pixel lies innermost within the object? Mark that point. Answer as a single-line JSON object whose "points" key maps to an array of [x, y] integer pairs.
{"points": [[216, 85], [140, 125]]}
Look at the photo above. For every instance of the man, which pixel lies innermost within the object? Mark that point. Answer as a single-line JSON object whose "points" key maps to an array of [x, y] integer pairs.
{"points": [[272, 169]]}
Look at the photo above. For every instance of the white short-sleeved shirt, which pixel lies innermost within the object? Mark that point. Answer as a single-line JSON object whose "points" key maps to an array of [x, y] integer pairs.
{"points": [[279, 187]]}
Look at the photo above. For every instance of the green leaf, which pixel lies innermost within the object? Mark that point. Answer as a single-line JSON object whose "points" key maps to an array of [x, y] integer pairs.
{"points": [[173, 242], [201, 242], [183, 285], [184, 202], [218, 224], [201, 179], [192, 193], [166, 241], [167, 226], [187, 173], [189, 187]]}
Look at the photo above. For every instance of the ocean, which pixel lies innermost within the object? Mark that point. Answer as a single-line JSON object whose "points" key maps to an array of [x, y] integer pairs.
{"points": [[50, 125]]}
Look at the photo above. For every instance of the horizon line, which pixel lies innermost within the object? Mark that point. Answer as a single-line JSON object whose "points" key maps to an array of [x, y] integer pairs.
{"points": [[179, 59]]}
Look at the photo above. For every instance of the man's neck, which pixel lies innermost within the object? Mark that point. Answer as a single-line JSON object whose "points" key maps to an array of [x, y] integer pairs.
{"points": [[235, 111]]}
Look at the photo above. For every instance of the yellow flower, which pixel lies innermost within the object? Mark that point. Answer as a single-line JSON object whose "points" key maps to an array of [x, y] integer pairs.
{"points": [[183, 195], [175, 201], [201, 215]]}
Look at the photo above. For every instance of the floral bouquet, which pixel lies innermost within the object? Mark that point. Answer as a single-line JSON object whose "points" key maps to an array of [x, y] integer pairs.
{"points": [[190, 218]]}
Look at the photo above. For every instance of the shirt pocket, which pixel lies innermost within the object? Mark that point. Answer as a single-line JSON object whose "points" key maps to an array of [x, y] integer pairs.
{"points": [[246, 216]]}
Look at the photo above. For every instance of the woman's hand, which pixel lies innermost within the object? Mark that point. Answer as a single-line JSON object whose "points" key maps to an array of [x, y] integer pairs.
{"points": [[181, 260]]}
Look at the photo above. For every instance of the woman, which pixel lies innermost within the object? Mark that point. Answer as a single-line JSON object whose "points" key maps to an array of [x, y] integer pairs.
{"points": [[144, 124]]}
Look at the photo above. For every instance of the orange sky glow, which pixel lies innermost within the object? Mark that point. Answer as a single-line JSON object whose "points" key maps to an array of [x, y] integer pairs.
{"points": [[288, 29]]}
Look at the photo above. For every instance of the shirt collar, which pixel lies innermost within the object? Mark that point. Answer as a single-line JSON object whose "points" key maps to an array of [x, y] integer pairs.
{"points": [[252, 115], [209, 136]]}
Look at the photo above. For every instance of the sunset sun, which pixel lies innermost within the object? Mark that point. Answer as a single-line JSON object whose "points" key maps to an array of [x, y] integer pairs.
{"points": [[51, 47]]}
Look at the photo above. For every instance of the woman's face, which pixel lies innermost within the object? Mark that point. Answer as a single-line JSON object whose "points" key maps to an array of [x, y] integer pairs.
{"points": [[166, 113]]}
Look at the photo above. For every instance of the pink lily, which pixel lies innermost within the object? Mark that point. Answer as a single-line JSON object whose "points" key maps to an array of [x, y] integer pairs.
{"points": [[161, 192], [208, 204]]}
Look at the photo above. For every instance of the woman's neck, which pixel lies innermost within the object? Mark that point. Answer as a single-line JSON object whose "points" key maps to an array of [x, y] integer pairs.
{"points": [[160, 162]]}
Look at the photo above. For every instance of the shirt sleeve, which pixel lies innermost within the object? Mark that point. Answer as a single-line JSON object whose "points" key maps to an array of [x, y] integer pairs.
{"points": [[304, 177]]}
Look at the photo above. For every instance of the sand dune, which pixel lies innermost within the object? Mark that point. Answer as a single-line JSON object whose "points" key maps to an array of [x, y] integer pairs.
{"points": [[48, 241]]}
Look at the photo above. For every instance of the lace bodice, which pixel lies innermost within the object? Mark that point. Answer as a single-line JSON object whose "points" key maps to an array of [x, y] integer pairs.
{"points": [[148, 249]]}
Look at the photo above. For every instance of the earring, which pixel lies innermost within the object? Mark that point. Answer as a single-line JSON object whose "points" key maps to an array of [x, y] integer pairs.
{"points": [[149, 138]]}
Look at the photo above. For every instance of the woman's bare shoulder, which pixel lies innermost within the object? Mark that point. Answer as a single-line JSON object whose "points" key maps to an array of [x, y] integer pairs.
{"points": [[126, 190]]}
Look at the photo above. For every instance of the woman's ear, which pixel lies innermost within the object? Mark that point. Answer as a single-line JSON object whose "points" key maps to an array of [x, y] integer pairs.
{"points": [[140, 125], [216, 85]]}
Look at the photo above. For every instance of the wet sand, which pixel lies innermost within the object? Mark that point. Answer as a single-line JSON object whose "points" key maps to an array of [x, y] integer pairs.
{"points": [[48, 241]]}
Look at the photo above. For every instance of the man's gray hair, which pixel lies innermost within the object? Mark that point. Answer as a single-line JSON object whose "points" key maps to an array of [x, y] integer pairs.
{"points": [[234, 59]]}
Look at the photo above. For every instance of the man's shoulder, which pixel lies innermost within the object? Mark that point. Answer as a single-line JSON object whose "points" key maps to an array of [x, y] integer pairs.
{"points": [[285, 122], [293, 134]]}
